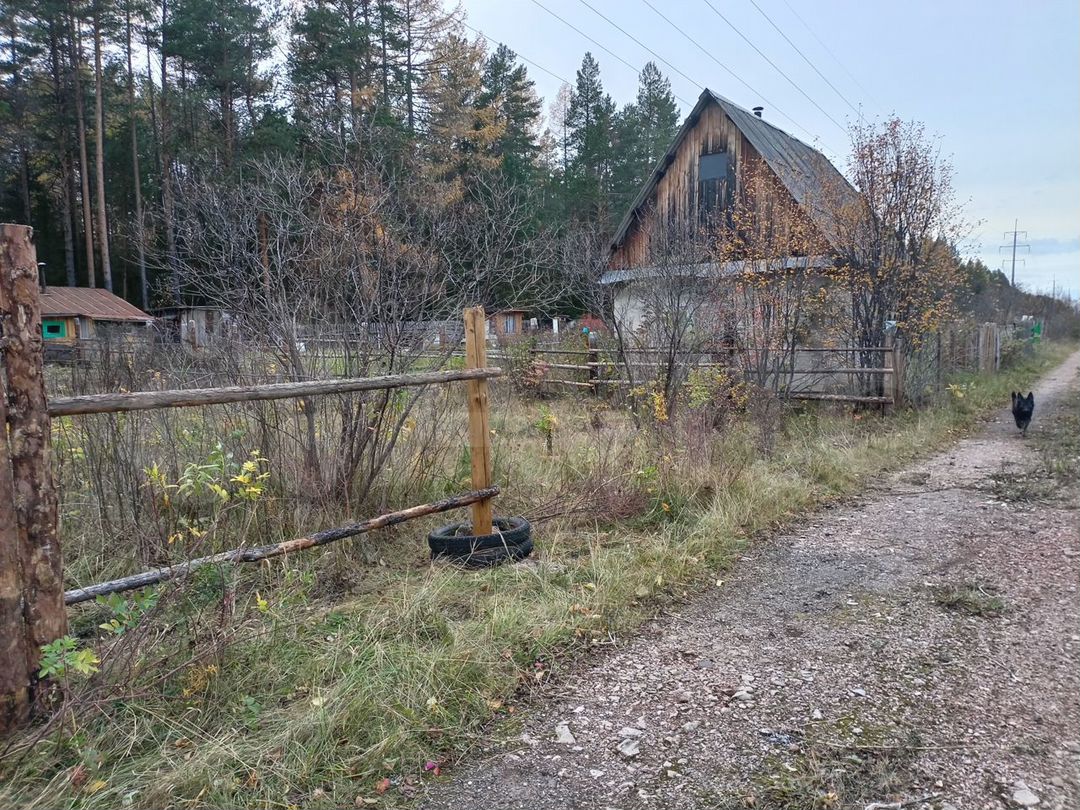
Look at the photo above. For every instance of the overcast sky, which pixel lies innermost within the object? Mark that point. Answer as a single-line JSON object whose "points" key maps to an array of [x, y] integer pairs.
{"points": [[998, 82]]}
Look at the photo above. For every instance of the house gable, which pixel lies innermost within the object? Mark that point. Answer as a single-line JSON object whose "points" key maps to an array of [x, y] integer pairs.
{"points": [[688, 183]]}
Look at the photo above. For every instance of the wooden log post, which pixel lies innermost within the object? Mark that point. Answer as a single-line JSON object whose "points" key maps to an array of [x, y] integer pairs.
{"points": [[899, 371], [34, 502], [594, 361], [480, 453], [16, 676]]}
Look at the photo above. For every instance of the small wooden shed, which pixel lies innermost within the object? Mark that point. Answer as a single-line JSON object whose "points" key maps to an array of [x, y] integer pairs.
{"points": [[506, 323], [70, 315], [197, 326]]}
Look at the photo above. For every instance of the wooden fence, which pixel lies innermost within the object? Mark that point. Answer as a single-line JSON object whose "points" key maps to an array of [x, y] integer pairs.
{"points": [[32, 598], [830, 374]]}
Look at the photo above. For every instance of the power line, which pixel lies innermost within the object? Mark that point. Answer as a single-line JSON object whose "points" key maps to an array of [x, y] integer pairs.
{"points": [[829, 51], [518, 54], [598, 45], [776, 67], [615, 25], [735, 75], [806, 58]]}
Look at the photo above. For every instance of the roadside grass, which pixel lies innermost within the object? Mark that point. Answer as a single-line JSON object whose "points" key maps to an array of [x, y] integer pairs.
{"points": [[971, 598], [832, 770], [334, 673], [1060, 445]]}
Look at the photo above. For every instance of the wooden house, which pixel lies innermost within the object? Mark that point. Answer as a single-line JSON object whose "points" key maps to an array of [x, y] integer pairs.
{"points": [[695, 186], [71, 316]]}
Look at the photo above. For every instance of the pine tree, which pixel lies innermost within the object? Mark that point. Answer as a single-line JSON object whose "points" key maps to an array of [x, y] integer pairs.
{"points": [[510, 94], [589, 123], [221, 43], [643, 131], [331, 64]]}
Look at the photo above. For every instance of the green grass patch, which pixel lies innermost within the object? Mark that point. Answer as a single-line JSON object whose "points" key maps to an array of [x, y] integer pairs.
{"points": [[833, 769], [970, 598]]}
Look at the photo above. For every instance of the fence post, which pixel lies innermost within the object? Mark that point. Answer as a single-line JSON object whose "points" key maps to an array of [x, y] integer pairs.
{"points": [[28, 518], [593, 361], [480, 454], [15, 673], [894, 359]]}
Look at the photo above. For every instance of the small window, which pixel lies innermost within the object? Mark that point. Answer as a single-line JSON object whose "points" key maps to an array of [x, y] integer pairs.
{"points": [[51, 330], [716, 188], [508, 324]]}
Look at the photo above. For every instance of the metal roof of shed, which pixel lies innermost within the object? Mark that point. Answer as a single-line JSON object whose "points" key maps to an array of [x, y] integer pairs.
{"points": [[89, 302]]}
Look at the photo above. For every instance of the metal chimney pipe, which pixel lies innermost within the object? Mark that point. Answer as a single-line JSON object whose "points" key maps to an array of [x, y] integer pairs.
{"points": [[758, 111]]}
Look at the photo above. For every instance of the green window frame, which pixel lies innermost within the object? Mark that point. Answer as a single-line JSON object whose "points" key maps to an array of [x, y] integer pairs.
{"points": [[53, 329]]}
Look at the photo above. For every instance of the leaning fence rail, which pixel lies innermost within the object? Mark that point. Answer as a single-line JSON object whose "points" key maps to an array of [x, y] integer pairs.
{"points": [[256, 553]]}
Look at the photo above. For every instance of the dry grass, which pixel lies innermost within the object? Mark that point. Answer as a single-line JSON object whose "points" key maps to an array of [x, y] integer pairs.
{"points": [[308, 681]]}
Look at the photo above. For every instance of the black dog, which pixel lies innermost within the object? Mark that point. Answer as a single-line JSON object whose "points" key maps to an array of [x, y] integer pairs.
{"points": [[1022, 410]]}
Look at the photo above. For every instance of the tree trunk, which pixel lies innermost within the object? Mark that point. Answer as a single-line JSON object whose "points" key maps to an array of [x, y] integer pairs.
{"points": [[166, 167], [84, 172], [409, 69], [67, 211], [99, 155], [67, 196], [153, 108], [34, 505], [140, 236]]}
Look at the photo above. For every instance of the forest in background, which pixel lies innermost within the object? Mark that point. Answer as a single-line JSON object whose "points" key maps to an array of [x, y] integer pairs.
{"points": [[110, 111], [127, 125]]}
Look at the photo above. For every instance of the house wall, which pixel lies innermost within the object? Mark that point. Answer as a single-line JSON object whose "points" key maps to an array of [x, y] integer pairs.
{"points": [[674, 204], [629, 305]]}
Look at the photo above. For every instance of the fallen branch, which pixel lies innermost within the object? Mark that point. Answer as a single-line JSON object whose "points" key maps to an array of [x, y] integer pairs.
{"points": [[256, 553]]}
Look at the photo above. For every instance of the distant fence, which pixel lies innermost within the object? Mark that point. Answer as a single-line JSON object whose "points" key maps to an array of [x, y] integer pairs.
{"points": [[815, 373]]}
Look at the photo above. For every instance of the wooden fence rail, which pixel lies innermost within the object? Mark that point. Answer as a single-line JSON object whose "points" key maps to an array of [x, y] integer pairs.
{"points": [[193, 397]]}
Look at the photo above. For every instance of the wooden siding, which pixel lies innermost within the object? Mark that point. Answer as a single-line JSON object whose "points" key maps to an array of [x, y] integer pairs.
{"points": [[673, 206]]}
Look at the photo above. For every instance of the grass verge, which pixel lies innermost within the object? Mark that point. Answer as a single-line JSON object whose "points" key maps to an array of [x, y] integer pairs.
{"points": [[351, 702]]}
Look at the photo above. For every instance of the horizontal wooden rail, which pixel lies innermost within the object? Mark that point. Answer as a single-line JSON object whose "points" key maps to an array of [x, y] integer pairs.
{"points": [[845, 349], [255, 553], [839, 371], [150, 400], [573, 383], [811, 395]]}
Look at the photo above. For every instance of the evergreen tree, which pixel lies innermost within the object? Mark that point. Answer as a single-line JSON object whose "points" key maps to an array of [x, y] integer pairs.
{"points": [[510, 94], [331, 64], [589, 123], [643, 131], [222, 43]]}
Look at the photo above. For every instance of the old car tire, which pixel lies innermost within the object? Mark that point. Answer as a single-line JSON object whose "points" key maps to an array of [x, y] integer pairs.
{"points": [[508, 541], [489, 557]]}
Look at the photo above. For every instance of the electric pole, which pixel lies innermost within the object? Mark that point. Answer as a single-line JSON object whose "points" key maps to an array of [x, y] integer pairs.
{"points": [[1015, 234]]}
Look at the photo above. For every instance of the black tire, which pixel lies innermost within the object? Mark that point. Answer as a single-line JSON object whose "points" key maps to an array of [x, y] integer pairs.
{"points": [[510, 540], [508, 532], [489, 557]]}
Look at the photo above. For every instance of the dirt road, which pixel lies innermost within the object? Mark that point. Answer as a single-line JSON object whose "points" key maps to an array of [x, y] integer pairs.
{"points": [[919, 648]]}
